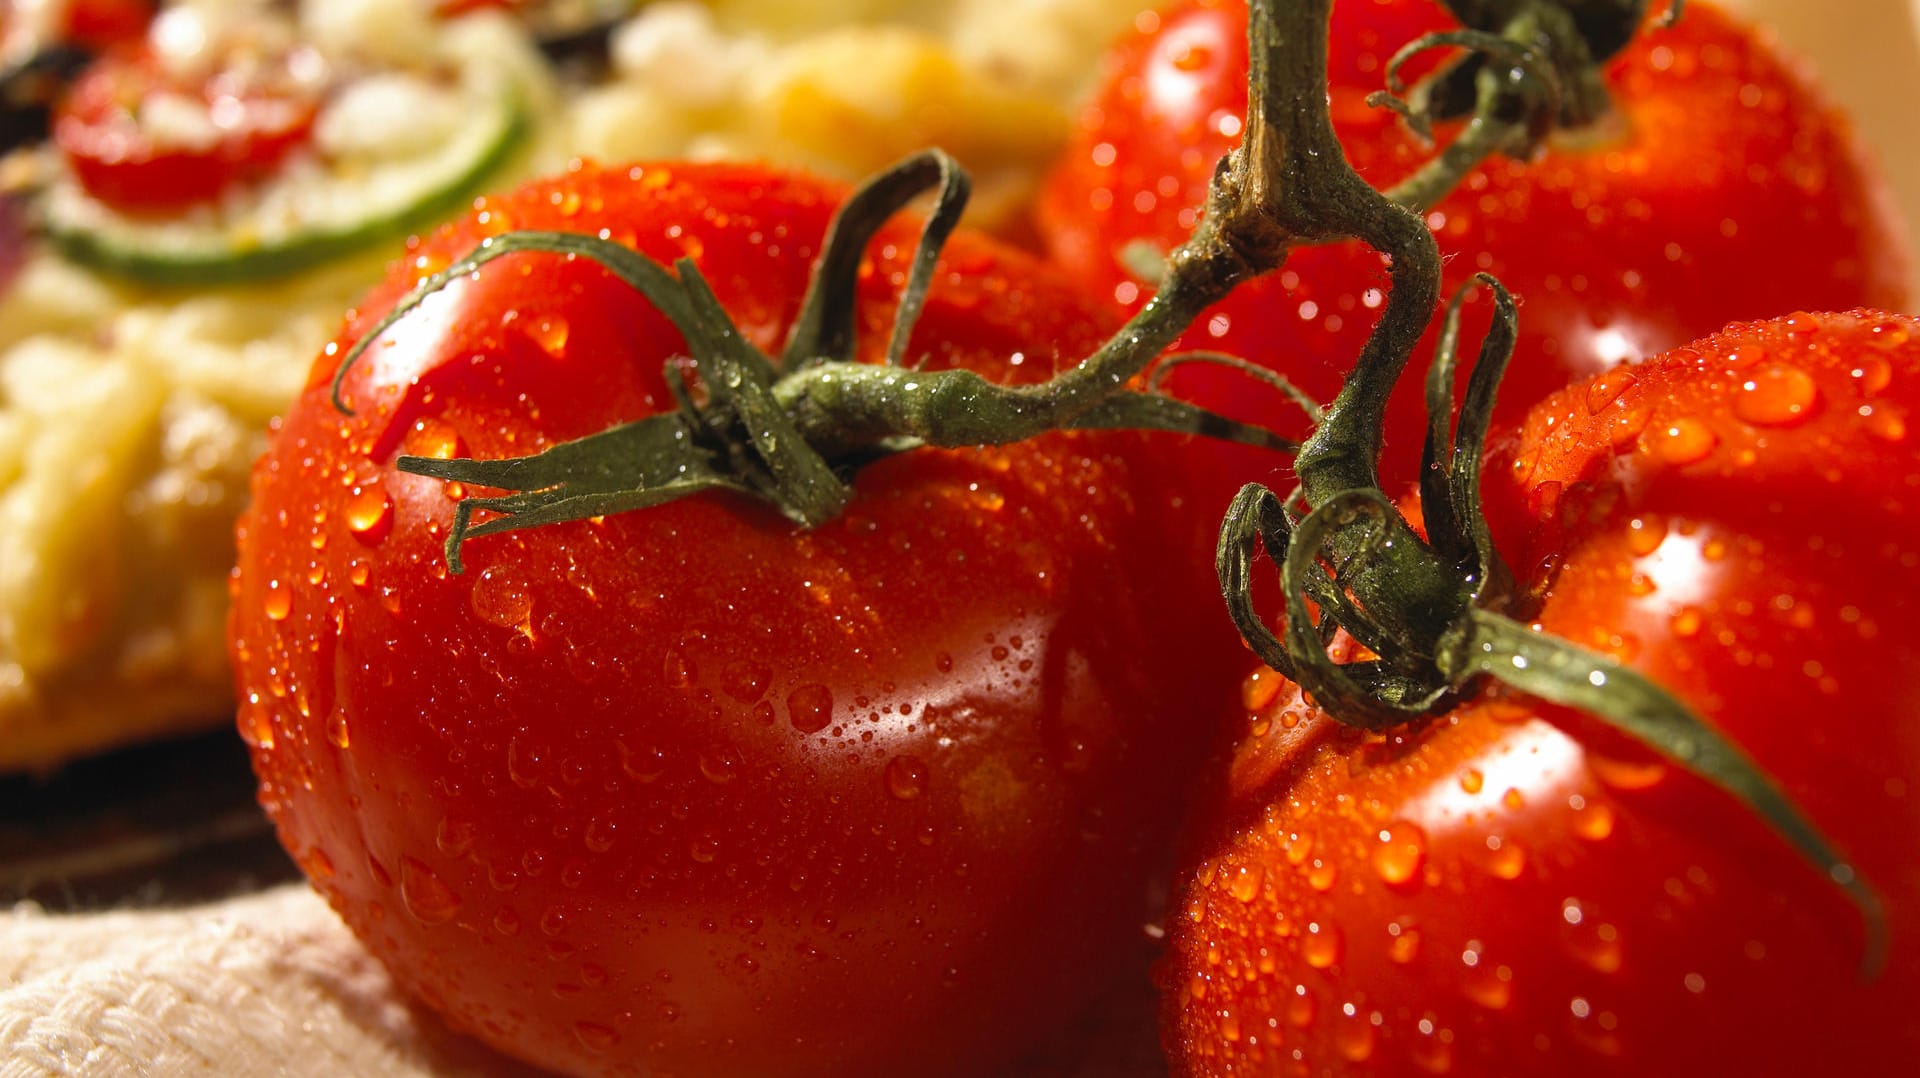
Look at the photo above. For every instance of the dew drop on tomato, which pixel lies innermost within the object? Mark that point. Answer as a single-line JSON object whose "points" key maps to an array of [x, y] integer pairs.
{"points": [[906, 777], [1621, 774], [337, 732], [1405, 945], [1400, 854], [369, 512], [1776, 396], [1354, 1037], [676, 669], [278, 602], [551, 335], [745, 680], [1430, 1052], [810, 708], [1684, 441], [595, 1036], [1302, 1009], [1259, 689], [499, 598], [1245, 881], [425, 895], [1321, 946]]}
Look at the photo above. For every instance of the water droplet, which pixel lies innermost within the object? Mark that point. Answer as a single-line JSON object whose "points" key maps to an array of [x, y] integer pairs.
{"points": [[454, 837], [1302, 1008], [337, 731], [810, 708], [316, 864], [1433, 1054], [1593, 821], [719, 766], [1646, 533], [369, 512], [425, 895], [1488, 985], [1607, 388], [1640, 774], [506, 922], [596, 1037], [550, 334], [745, 680], [1776, 396], [1506, 859], [642, 765], [278, 602], [1322, 875], [1472, 780], [1259, 689], [599, 835], [1400, 853], [256, 725], [704, 849], [1885, 423], [1406, 943], [676, 669], [1244, 884], [906, 777], [1354, 1038], [500, 598], [1321, 945], [1684, 441], [526, 764], [1596, 945]]}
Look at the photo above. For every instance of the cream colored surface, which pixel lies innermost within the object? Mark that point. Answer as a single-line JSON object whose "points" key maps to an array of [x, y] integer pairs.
{"points": [[1867, 53], [268, 985]]}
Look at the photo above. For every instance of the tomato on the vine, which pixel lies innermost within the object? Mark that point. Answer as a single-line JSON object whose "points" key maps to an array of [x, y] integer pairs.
{"points": [[144, 138], [1721, 186], [688, 790], [1511, 888]]}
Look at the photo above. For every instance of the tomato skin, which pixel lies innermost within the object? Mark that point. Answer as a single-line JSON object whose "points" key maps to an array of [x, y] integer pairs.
{"points": [[265, 117], [100, 24], [1512, 889], [1721, 165], [685, 791]]}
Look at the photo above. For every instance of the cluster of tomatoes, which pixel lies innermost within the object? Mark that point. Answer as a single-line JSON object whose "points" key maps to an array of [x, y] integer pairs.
{"points": [[690, 791]]}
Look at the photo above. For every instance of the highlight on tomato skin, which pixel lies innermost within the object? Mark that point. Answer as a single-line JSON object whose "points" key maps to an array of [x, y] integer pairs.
{"points": [[1511, 888], [1620, 241], [686, 790]]}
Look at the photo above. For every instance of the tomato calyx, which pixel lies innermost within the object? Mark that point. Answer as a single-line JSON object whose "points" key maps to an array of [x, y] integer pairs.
{"points": [[788, 430]]}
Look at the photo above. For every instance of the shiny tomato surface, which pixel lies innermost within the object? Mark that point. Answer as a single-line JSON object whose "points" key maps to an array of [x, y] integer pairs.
{"points": [[689, 791], [1514, 890], [1722, 186]]}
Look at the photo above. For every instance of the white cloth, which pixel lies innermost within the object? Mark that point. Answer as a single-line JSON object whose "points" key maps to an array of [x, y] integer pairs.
{"points": [[270, 984]]}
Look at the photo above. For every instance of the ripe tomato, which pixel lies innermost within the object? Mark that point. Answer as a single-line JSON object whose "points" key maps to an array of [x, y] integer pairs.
{"points": [[1720, 163], [685, 790], [144, 139], [1511, 889]]}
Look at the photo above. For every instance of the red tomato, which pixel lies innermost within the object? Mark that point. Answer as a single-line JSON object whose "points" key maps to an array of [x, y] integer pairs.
{"points": [[1513, 890], [101, 23], [236, 125], [1720, 165], [685, 790]]}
